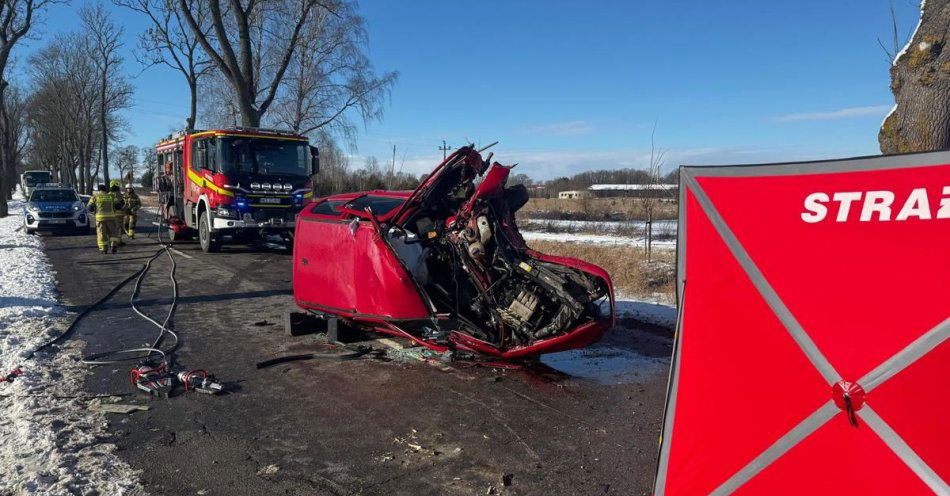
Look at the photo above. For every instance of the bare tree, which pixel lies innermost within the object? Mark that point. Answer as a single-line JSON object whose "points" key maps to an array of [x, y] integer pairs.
{"points": [[303, 55], [649, 200], [126, 161], [238, 29], [170, 42], [920, 82], [104, 40], [334, 166], [63, 111], [329, 75], [218, 107], [18, 132], [16, 19]]}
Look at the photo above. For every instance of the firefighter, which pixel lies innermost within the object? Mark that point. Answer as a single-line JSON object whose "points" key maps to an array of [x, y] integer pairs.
{"points": [[103, 204], [165, 193], [118, 219], [132, 204]]}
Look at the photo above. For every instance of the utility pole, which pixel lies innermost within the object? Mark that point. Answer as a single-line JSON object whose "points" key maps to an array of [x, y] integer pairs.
{"points": [[392, 169], [445, 148]]}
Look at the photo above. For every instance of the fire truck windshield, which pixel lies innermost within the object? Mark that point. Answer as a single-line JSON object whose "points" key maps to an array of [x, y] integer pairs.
{"points": [[264, 156]]}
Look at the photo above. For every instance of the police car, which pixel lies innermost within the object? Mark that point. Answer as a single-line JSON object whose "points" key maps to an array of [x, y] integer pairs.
{"points": [[55, 207]]}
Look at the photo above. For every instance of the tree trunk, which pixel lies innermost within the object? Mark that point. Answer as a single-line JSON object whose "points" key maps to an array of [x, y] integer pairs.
{"points": [[4, 146], [193, 89], [250, 117], [11, 181], [103, 122], [920, 81]]}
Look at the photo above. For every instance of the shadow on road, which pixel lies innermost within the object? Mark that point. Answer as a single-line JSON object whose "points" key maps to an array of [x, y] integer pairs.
{"points": [[188, 300]]}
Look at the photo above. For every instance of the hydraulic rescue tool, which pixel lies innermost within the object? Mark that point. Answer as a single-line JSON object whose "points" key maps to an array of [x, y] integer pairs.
{"points": [[157, 380], [200, 381], [153, 379]]}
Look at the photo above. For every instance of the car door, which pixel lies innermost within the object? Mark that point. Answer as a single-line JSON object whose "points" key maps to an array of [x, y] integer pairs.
{"points": [[324, 243], [343, 265], [383, 286]]}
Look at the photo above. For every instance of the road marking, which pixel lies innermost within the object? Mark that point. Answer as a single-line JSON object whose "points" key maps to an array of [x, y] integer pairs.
{"points": [[182, 253]]}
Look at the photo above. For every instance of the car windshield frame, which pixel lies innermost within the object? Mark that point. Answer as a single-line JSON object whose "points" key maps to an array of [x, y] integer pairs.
{"points": [[34, 196], [264, 156]]}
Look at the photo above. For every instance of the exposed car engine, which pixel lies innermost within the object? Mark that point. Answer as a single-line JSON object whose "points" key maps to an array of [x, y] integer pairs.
{"points": [[477, 269]]}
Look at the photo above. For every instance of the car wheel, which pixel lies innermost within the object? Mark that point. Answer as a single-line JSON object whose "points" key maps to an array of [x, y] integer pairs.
{"points": [[30, 231], [209, 242]]}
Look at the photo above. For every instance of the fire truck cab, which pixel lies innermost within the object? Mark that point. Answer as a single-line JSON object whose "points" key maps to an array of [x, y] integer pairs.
{"points": [[233, 185]]}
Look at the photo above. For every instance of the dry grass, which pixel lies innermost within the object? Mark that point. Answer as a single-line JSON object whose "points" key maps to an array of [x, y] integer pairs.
{"points": [[596, 209], [632, 275]]}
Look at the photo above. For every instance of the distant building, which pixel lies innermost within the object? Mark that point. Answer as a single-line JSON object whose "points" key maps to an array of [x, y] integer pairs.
{"points": [[661, 190], [573, 195]]}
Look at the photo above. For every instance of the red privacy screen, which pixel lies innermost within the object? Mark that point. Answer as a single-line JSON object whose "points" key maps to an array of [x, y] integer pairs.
{"points": [[811, 355]]}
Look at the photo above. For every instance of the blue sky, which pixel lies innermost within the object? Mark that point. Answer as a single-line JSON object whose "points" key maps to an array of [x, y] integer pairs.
{"points": [[567, 87]]}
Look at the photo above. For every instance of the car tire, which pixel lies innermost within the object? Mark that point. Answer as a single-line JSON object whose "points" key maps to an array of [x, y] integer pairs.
{"points": [[30, 231], [209, 242]]}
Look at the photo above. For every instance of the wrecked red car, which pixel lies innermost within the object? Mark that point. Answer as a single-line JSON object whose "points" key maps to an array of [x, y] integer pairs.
{"points": [[446, 267]]}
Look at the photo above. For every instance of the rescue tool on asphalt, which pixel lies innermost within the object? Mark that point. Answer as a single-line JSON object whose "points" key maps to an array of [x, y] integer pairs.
{"points": [[156, 379], [446, 267], [233, 185]]}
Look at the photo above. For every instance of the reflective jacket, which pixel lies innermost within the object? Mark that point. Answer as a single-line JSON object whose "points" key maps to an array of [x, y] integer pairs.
{"points": [[103, 205], [132, 202]]}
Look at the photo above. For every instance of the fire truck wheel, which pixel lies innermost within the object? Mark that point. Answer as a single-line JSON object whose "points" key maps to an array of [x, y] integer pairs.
{"points": [[209, 242]]}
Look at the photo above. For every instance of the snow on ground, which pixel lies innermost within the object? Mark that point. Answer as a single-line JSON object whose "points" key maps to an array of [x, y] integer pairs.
{"points": [[598, 225], [598, 239], [658, 314], [609, 361], [49, 440], [606, 364]]}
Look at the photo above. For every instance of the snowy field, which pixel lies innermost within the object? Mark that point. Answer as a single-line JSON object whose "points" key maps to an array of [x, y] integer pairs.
{"points": [[49, 439], [659, 226], [597, 239], [599, 232]]}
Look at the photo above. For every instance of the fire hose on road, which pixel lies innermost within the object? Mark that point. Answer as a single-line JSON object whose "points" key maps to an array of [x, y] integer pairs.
{"points": [[154, 373]]}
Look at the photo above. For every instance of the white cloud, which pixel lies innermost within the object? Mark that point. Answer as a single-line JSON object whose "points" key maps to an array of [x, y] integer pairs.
{"points": [[845, 113], [569, 128]]}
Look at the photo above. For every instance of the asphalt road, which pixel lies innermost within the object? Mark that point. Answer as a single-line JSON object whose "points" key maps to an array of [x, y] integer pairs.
{"points": [[338, 427]]}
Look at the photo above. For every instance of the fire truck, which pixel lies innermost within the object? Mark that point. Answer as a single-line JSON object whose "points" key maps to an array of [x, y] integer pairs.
{"points": [[234, 185]]}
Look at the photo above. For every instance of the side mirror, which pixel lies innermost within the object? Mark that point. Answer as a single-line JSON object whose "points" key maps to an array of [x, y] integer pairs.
{"points": [[314, 160]]}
